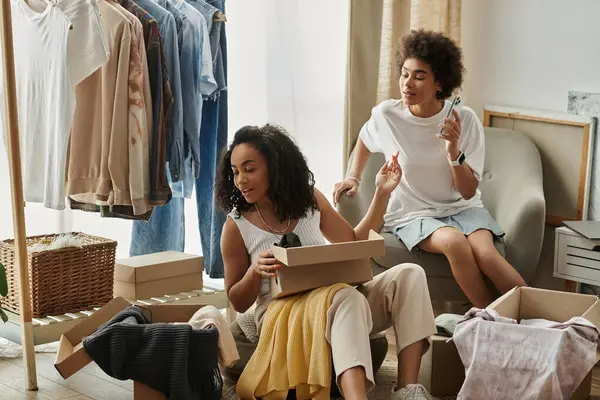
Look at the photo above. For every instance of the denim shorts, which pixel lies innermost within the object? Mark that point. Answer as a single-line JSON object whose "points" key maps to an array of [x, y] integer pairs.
{"points": [[466, 221]]}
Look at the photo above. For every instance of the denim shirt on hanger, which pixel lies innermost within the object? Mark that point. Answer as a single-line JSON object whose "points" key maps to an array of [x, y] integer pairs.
{"points": [[197, 81], [179, 19], [208, 10], [168, 35]]}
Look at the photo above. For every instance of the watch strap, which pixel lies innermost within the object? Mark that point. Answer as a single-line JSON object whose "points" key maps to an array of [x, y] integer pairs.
{"points": [[459, 160]]}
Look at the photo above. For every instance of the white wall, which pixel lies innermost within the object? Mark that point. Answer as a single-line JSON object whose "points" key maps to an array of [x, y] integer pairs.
{"points": [[287, 66], [529, 53]]}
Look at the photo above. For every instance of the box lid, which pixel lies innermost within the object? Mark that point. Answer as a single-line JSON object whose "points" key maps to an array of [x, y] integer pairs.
{"points": [[320, 254], [71, 356], [155, 266]]}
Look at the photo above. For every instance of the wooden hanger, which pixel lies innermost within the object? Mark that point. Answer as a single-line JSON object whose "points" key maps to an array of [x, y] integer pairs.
{"points": [[219, 17]]}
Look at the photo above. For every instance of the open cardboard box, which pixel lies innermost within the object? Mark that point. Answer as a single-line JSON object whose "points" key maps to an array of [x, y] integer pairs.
{"points": [[72, 357], [310, 267], [529, 303], [442, 372], [157, 274]]}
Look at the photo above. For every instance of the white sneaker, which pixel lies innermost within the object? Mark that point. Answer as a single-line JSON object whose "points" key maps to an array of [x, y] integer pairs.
{"points": [[412, 392]]}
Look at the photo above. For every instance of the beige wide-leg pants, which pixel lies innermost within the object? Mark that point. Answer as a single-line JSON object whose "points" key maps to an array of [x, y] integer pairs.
{"points": [[398, 297]]}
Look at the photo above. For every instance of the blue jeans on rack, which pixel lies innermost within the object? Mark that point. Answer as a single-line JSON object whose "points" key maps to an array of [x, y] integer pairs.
{"points": [[167, 230], [164, 231], [213, 139]]}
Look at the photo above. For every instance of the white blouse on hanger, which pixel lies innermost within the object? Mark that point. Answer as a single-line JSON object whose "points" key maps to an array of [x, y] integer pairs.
{"points": [[49, 46], [45, 100]]}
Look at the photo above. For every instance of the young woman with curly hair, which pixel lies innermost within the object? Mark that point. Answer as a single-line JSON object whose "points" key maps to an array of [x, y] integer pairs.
{"points": [[437, 206], [266, 187]]}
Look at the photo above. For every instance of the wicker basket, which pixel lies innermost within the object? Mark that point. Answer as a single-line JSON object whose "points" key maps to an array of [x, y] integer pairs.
{"points": [[69, 279]]}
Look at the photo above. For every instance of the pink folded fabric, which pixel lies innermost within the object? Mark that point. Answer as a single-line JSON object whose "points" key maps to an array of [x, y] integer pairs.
{"points": [[505, 360]]}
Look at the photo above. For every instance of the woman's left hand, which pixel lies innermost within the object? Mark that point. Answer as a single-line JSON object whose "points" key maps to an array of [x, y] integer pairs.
{"points": [[388, 177], [451, 132]]}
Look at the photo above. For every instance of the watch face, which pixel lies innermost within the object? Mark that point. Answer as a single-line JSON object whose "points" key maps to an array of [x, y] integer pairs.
{"points": [[461, 158]]}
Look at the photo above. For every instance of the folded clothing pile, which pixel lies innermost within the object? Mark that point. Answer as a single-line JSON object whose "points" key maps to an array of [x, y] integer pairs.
{"points": [[174, 359]]}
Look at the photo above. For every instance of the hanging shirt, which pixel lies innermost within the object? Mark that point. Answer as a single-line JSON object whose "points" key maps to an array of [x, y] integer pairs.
{"points": [[154, 64], [139, 120], [215, 36], [87, 41], [168, 35], [197, 81], [98, 156], [45, 100], [162, 102]]}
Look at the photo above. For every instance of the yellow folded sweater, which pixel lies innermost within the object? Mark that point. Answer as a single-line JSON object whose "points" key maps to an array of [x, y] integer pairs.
{"points": [[292, 350]]}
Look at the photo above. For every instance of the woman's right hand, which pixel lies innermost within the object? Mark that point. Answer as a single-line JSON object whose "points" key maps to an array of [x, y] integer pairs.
{"points": [[266, 265], [348, 186]]}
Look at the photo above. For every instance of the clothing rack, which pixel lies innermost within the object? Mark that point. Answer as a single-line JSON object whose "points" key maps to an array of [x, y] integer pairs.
{"points": [[16, 185]]}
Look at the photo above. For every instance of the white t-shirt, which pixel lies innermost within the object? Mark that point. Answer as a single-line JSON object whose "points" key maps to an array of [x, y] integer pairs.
{"points": [[427, 187], [45, 100], [88, 43]]}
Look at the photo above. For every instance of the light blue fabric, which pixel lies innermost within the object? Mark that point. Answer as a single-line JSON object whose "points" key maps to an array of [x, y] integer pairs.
{"points": [[213, 139], [166, 231], [197, 80], [166, 228], [466, 221], [168, 35], [217, 38], [163, 232]]}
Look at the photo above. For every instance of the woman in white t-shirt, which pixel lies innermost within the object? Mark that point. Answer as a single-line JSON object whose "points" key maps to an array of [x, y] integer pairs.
{"points": [[437, 206]]}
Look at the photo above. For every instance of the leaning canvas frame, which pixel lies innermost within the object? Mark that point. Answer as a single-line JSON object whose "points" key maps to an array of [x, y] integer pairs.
{"points": [[566, 143]]}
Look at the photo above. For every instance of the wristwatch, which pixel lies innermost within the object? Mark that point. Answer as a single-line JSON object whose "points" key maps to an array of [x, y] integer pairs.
{"points": [[459, 160]]}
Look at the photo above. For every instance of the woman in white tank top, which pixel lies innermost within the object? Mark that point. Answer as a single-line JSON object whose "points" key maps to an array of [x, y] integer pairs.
{"points": [[266, 187]]}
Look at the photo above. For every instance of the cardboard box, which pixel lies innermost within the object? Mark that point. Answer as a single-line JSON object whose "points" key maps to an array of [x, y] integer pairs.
{"points": [[310, 267], [442, 371], [72, 357], [528, 303], [157, 274]]}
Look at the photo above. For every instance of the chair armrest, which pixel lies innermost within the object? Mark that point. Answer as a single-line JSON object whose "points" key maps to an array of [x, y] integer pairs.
{"points": [[522, 216]]}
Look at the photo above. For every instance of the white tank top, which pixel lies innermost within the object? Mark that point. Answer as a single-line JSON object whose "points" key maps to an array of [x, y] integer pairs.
{"points": [[258, 240]]}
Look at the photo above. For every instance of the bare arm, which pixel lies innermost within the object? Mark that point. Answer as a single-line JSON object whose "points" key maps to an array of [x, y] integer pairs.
{"points": [[350, 186], [463, 177], [336, 229], [242, 280], [361, 156]]}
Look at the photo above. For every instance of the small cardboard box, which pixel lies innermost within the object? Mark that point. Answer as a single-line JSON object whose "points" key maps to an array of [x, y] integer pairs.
{"points": [[310, 267], [72, 357], [529, 303], [442, 372], [157, 274]]}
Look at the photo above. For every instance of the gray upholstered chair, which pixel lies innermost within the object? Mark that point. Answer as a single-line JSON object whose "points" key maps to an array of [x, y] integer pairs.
{"points": [[512, 191]]}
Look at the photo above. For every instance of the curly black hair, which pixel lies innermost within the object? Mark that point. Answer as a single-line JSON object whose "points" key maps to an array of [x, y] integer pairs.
{"points": [[291, 186], [439, 51]]}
